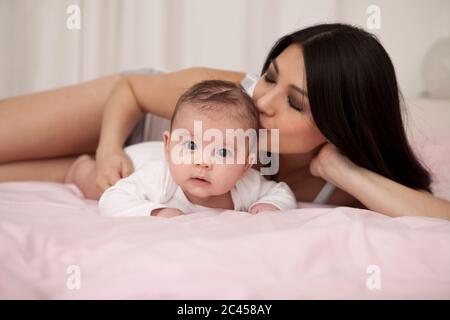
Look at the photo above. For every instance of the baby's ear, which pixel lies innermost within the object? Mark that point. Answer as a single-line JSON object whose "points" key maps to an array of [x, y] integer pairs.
{"points": [[166, 138]]}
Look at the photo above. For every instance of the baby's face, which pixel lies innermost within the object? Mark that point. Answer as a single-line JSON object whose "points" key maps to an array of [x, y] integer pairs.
{"points": [[203, 166]]}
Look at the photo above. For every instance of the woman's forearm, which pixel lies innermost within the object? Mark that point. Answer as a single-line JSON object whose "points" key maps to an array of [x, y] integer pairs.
{"points": [[121, 114], [155, 93], [383, 195]]}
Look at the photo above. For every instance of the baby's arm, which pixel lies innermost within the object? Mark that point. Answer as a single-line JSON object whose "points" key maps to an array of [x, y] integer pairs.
{"points": [[136, 195], [273, 197], [124, 199]]}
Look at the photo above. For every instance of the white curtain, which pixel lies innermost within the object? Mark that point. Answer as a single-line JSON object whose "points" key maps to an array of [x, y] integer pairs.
{"points": [[38, 52]]}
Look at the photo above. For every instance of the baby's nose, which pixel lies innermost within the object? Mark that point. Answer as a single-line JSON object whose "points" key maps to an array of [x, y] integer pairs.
{"points": [[202, 161]]}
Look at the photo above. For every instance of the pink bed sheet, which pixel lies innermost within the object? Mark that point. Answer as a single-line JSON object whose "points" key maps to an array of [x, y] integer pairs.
{"points": [[49, 234]]}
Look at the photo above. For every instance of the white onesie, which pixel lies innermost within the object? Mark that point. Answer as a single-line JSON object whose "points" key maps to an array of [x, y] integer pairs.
{"points": [[151, 187]]}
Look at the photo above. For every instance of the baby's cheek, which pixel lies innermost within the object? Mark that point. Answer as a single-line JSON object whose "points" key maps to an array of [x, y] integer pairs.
{"points": [[178, 173], [227, 176]]}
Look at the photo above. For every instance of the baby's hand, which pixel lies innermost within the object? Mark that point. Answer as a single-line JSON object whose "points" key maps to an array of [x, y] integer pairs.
{"points": [[167, 212], [263, 207]]}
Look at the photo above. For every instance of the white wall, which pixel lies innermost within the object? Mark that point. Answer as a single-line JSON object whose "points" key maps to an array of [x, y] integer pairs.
{"points": [[236, 34], [38, 52], [408, 29]]}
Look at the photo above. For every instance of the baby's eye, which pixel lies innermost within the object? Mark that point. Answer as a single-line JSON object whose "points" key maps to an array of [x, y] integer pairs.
{"points": [[223, 153], [190, 145]]}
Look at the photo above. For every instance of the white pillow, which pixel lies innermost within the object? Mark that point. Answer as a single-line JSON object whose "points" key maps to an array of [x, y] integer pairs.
{"points": [[436, 70]]}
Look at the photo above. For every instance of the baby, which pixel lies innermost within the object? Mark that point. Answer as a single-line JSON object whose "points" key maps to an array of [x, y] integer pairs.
{"points": [[202, 170]]}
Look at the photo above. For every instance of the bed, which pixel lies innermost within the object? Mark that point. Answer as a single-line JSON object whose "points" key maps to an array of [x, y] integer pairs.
{"points": [[55, 245]]}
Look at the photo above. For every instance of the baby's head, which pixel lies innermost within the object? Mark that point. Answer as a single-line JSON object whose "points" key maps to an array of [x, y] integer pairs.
{"points": [[212, 139]]}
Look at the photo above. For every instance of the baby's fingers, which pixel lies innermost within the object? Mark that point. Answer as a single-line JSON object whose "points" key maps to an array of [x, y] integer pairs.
{"points": [[254, 210], [102, 184], [112, 177], [104, 181], [126, 168]]}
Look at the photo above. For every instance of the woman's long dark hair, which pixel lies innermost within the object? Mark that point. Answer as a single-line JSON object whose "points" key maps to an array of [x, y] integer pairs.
{"points": [[355, 100]]}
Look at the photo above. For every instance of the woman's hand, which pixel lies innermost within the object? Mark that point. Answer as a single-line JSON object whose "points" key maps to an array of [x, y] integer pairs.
{"points": [[375, 192], [330, 164], [112, 166]]}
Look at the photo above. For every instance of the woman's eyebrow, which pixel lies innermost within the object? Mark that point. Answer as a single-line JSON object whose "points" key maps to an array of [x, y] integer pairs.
{"points": [[275, 65], [277, 71]]}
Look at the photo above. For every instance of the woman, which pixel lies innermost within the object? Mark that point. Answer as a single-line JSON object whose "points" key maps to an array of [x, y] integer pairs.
{"points": [[330, 89]]}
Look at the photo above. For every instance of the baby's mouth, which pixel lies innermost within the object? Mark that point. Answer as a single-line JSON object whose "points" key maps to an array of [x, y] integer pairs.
{"points": [[200, 179]]}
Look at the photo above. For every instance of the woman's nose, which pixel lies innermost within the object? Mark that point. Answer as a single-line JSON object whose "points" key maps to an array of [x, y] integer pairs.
{"points": [[266, 103]]}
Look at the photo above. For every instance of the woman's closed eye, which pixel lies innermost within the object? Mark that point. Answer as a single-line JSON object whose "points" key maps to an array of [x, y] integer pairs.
{"points": [[271, 80], [268, 78], [294, 104]]}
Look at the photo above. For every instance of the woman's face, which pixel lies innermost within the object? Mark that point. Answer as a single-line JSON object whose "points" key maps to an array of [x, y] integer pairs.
{"points": [[281, 98]]}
